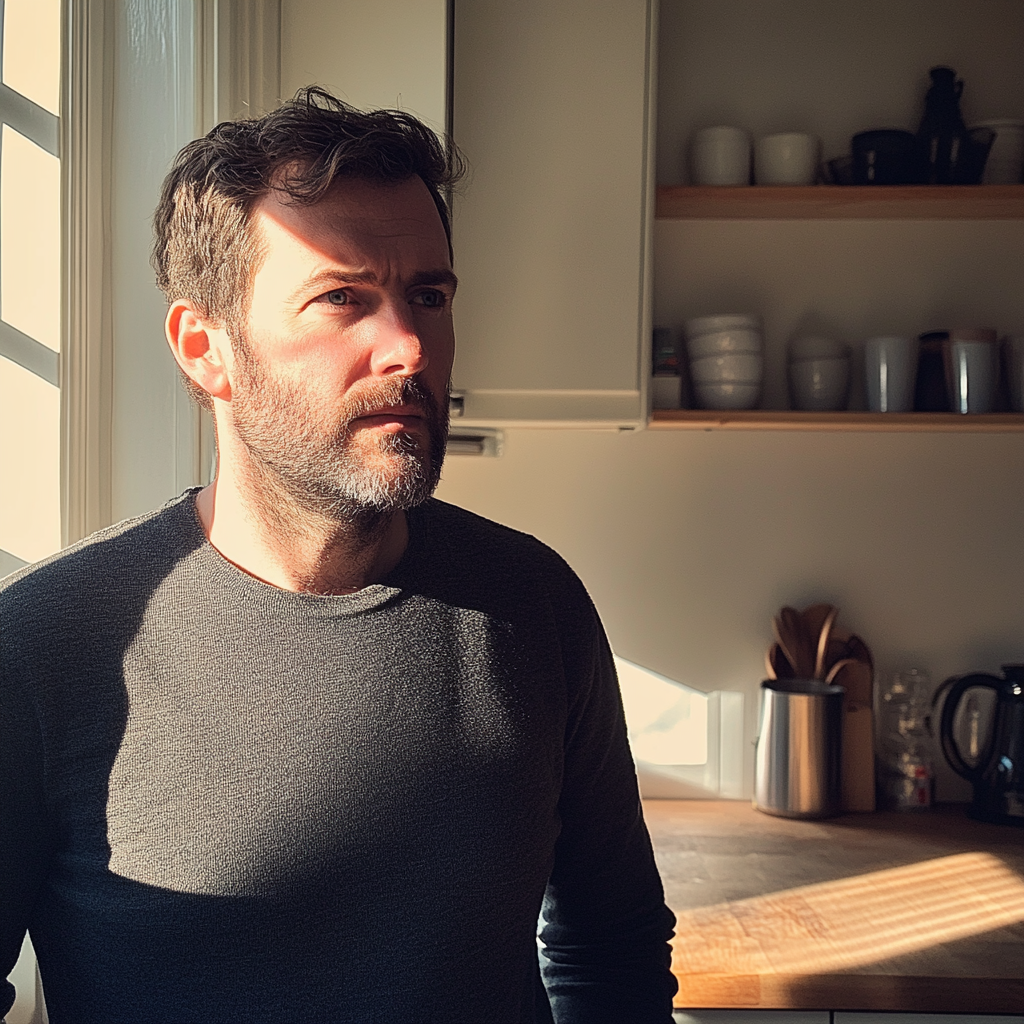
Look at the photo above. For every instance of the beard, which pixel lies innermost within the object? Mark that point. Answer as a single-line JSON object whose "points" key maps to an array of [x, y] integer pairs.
{"points": [[346, 475]]}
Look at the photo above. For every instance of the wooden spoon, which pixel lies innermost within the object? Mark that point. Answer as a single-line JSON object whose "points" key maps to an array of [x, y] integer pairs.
{"points": [[838, 667], [796, 645], [826, 632], [788, 644], [777, 664], [813, 617]]}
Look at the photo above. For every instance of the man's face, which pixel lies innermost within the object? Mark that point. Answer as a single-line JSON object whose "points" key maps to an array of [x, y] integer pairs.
{"points": [[340, 380]]}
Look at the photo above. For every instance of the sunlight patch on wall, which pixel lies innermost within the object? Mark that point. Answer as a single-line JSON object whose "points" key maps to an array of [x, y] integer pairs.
{"points": [[31, 57], [687, 744], [29, 463], [844, 924], [30, 238], [667, 722]]}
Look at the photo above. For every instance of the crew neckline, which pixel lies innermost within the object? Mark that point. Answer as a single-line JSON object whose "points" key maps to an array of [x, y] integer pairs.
{"points": [[222, 570]]}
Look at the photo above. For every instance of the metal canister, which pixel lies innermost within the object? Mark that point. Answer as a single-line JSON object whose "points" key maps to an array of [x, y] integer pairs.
{"points": [[798, 759]]}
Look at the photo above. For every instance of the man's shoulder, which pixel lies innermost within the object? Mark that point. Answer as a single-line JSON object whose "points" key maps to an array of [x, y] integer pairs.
{"points": [[468, 529], [491, 550], [109, 561]]}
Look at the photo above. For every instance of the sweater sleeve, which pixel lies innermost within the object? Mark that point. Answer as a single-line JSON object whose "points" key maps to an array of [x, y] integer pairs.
{"points": [[23, 830], [604, 924]]}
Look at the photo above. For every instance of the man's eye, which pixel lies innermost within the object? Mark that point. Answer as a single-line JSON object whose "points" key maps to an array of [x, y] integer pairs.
{"points": [[338, 297], [431, 298]]}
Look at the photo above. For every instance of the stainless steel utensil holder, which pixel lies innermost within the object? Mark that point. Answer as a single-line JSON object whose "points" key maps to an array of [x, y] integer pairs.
{"points": [[798, 757]]}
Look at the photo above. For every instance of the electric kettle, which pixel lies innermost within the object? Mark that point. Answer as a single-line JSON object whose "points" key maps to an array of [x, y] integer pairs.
{"points": [[998, 772]]}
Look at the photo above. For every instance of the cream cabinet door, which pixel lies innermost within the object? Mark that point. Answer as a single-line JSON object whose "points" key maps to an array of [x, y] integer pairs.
{"points": [[552, 105]]}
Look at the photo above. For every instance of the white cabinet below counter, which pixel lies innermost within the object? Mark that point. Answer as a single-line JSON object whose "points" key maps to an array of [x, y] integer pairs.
{"points": [[838, 1017]]}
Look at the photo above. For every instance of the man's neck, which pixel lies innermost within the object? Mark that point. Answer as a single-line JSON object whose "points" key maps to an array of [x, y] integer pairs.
{"points": [[273, 539]]}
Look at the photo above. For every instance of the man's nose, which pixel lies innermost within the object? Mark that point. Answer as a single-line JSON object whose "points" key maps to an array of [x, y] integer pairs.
{"points": [[397, 348]]}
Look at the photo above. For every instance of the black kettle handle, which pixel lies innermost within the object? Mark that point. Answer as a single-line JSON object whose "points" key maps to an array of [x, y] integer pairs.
{"points": [[958, 686]]}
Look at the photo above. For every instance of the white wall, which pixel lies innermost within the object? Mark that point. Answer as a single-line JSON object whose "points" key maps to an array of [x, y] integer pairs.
{"points": [[389, 53]]}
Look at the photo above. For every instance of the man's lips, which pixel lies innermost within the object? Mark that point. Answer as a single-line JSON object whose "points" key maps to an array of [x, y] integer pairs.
{"points": [[395, 418]]}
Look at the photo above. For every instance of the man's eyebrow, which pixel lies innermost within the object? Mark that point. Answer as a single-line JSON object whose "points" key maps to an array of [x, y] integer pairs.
{"points": [[340, 278], [443, 276]]}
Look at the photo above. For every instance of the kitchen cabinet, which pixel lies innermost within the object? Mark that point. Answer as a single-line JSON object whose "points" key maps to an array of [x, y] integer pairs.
{"points": [[552, 108], [553, 105]]}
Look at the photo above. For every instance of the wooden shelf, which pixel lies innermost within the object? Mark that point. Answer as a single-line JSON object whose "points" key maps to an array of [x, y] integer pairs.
{"points": [[835, 202], [761, 419]]}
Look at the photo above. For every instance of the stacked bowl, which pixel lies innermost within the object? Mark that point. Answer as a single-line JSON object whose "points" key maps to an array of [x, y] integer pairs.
{"points": [[726, 355], [819, 374]]}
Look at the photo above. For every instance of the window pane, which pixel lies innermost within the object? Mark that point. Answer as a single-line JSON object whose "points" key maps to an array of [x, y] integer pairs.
{"points": [[29, 238], [29, 463], [32, 50]]}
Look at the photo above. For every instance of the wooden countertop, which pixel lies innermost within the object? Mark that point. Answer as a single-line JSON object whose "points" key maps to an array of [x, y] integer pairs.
{"points": [[886, 911]]}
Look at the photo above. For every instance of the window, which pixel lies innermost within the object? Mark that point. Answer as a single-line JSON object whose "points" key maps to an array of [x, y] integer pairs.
{"points": [[30, 281]]}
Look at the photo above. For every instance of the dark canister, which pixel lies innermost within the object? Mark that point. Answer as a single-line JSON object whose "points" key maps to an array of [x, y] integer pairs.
{"points": [[884, 157], [930, 392]]}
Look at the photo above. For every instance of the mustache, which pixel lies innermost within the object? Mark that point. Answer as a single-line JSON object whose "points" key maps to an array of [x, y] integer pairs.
{"points": [[388, 392]]}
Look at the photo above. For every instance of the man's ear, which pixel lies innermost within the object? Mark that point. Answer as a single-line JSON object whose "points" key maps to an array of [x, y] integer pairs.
{"points": [[202, 350]]}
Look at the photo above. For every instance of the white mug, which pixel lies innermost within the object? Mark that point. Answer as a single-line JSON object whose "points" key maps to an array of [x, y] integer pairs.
{"points": [[720, 156], [790, 158], [971, 375], [890, 372]]}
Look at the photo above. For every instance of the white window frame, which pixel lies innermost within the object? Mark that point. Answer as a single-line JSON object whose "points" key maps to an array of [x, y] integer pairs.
{"points": [[234, 55]]}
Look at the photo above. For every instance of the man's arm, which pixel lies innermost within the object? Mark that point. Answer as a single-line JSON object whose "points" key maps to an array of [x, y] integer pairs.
{"points": [[605, 926], [23, 831]]}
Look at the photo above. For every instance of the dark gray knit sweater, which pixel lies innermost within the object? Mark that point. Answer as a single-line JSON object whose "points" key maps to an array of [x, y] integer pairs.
{"points": [[225, 802]]}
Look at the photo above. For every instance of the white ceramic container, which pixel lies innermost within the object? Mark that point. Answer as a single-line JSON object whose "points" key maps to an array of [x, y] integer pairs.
{"points": [[890, 371], [716, 343], [819, 385], [788, 158], [698, 325], [971, 368], [727, 396], [731, 367], [720, 156]]}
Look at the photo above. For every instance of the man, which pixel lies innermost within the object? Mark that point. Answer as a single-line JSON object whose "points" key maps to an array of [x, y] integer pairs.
{"points": [[308, 745]]}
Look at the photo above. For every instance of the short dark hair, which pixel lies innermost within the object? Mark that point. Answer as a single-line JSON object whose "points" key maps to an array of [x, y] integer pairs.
{"points": [[205, 250]]}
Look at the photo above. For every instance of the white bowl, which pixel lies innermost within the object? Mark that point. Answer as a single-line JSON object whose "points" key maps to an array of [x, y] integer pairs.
{"points": [[727, 396], [814, 347], [721, 322], [788, 158], [730, 368], [716, 343], [819, 385]]}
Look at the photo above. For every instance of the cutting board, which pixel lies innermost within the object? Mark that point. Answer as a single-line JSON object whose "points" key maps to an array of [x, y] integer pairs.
{"points": [[858, 737]]}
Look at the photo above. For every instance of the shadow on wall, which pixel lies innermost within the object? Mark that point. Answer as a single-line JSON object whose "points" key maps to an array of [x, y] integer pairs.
{"points": [[686, 743]]}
